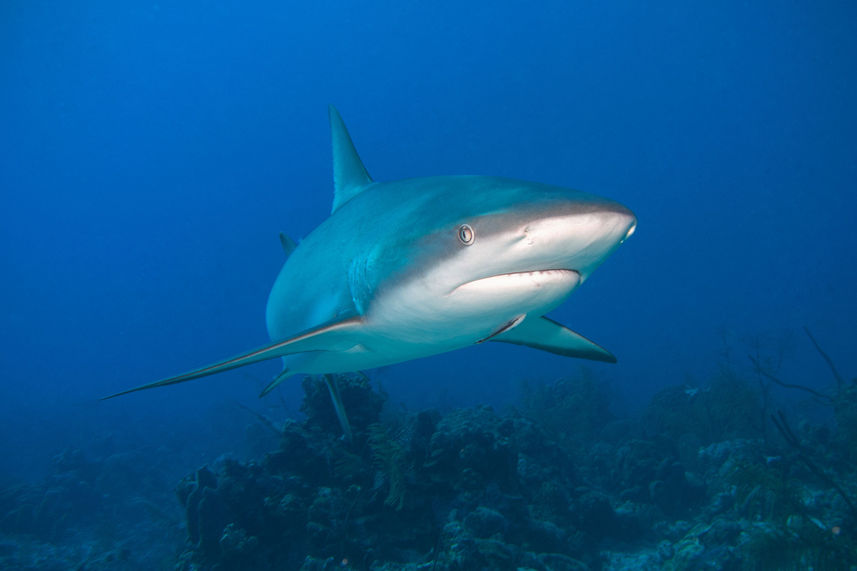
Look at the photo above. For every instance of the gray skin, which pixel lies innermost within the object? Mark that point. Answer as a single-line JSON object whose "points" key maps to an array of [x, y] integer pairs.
{"points": [[416, 267]]}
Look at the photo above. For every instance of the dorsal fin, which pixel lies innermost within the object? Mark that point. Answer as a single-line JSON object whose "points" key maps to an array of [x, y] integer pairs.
{"points": [[349, 174], [288, 244]]}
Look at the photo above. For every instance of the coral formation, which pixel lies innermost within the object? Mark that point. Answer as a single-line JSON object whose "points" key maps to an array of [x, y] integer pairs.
{"points": [[105, 512], [474, 489]]}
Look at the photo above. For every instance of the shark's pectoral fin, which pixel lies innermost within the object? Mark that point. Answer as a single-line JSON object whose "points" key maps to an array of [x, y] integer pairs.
{"points": [[547, 335], [333, 336]]}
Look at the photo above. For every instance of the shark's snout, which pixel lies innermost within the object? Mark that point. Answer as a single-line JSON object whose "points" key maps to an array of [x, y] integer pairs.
{"points": [[619, 215], [626, 225], [615, 224], [575, 235], [627, 219], [631, 230]]}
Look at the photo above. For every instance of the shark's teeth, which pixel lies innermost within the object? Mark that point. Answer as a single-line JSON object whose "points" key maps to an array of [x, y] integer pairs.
{"points": [[533, 274]]}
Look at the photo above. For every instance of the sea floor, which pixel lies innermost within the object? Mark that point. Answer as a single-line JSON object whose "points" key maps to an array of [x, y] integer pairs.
{"points": [[704, 478]]}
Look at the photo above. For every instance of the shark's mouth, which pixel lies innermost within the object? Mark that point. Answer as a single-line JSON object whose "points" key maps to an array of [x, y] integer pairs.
{"points": [[524, 280]]}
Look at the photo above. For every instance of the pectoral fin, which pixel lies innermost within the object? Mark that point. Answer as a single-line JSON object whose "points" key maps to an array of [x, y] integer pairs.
{"points": [[547, 335], [335, 336]]}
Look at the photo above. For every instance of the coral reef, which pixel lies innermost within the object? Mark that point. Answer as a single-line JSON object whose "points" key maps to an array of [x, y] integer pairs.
{"points": [[474, 489], [104, 512]]}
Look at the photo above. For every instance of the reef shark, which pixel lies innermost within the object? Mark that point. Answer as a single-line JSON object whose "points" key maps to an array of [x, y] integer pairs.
{"points": [[416, 267]]}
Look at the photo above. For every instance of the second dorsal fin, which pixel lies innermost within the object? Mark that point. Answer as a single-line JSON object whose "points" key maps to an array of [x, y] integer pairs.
{"points": [[349, 174]]}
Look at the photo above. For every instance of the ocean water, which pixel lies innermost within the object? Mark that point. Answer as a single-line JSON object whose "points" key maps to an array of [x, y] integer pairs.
{"points": [[151, 152]]}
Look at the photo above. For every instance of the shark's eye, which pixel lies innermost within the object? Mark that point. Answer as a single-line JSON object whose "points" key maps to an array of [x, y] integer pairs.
{"points": [[466, 235]]}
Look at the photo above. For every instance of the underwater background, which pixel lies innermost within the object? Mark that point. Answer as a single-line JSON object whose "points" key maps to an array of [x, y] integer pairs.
{"points": [[150, 153]]}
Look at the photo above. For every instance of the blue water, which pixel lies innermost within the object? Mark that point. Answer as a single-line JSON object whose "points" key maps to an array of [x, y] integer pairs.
{"points": [[151, 152]]}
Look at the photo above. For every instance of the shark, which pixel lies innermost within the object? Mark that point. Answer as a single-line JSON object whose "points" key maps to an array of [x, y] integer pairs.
{"points": [[410, 268]]}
